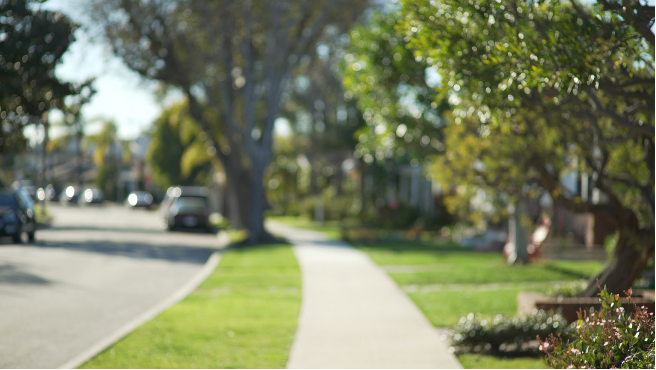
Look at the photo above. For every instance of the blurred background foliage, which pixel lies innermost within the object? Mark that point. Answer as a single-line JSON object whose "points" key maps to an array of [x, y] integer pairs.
{"points": [[540, 89], [177, 154]]}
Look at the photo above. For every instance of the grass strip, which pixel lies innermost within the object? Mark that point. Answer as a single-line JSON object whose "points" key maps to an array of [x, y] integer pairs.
{"points": [[474, 361], [243, 316]]}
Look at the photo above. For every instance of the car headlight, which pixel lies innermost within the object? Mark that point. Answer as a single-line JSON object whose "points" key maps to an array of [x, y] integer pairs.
{"points": [[10, 217], [70, 191], [88, 195], [148, 198], [132, 199]]}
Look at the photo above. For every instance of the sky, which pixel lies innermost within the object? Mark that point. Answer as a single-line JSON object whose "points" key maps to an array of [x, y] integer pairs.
{"points": [[122, 95]]}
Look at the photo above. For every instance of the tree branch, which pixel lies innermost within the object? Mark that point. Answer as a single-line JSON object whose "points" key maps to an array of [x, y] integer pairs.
{"points": [[247, 52], [645, 129]]}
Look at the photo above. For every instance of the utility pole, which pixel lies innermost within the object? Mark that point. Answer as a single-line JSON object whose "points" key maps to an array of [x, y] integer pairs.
{"points": [[78, 156], [44, 152], [119, 191]]}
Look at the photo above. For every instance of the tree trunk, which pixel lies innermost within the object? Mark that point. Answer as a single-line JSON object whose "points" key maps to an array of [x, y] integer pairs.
{"points": [[313, 180], [629, 260], [363, 190], [339, 178], [519, 234], [234, 197], [246, 200], [256, 231]]}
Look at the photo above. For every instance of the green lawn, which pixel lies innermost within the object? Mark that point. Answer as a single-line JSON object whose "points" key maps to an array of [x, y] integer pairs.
{"points": [[444, 308], [243, 316], [480, 282], [464, 281], [471, 361], [445, 263]]}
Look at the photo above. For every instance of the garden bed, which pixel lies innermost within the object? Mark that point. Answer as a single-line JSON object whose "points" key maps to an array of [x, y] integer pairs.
{"points": [[570, 306]]}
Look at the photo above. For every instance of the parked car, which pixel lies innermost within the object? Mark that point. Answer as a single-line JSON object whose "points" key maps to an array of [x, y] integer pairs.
{"points": [[90, 196], [139, 199], [30, 190], [17, 215], [27, 186], [186, 207], [52, 193], [70, 195]]}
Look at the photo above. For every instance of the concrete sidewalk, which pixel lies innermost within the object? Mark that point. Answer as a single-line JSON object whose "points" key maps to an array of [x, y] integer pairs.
{"points": [[353, 315]]}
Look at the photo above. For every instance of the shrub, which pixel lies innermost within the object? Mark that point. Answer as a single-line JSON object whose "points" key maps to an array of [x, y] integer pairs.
{"points": [[610, 338], [335, 208], [506, 335]]}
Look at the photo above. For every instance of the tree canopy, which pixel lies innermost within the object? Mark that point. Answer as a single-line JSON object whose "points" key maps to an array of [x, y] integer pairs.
{"points": [[544, 88], [393, 91], [32, 43]]}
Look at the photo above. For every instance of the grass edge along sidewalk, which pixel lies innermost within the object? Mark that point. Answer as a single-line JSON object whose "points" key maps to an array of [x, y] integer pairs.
{"points": [[243, 316]]}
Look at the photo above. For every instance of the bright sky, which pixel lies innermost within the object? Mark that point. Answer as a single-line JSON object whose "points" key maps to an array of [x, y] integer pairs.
{"points": [[122, 95]]}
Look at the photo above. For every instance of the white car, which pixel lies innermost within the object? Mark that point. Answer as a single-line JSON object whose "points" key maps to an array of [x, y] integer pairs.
{"points": [[139, 199]]}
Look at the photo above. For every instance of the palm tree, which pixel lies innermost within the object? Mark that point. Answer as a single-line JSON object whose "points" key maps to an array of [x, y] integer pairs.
{"points": [[107, 145]]}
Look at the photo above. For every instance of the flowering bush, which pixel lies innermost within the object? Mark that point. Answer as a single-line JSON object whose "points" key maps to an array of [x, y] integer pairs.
{"points": [[608, 339]]}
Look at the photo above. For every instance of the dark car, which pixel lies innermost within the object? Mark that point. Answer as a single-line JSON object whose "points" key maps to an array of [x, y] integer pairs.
{"points": [[90, 196], [31, 192], [139, 199], [186, 208], [27, 186], [70, 195], [17, 215]]}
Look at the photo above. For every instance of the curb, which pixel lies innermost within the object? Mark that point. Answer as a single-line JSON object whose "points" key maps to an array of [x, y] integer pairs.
{"points": [[126, 329]]}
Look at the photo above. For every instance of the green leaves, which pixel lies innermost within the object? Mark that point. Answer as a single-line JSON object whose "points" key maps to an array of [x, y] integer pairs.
{"points": [[177, 154], [393, 90], [32, 43], [541, 90]]}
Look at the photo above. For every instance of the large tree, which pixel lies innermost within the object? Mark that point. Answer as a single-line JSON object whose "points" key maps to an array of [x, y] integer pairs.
{"points": [[32, 43], [232, 60], [545, 88]]}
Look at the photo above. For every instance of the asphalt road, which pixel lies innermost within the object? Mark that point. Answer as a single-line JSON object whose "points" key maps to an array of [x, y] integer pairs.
{"points": [[93, 271]]}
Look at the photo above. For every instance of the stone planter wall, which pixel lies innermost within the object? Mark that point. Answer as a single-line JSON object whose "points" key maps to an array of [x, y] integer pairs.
{"points": [[570, 306]]}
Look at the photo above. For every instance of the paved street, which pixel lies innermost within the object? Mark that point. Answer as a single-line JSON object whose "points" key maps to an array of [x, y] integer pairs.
{"points": [[91, 273]]}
